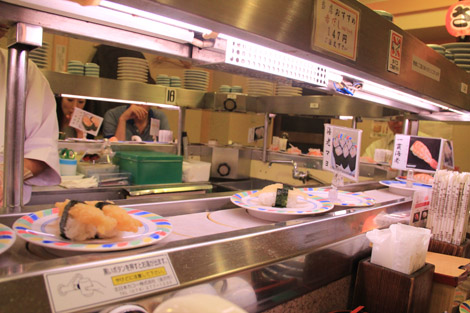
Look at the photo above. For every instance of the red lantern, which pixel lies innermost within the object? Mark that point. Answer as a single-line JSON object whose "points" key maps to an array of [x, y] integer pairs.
{"points": [[458, 19]]}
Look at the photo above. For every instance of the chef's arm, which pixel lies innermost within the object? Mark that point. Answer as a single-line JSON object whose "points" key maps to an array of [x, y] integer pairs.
{"points": [[33, 168]]}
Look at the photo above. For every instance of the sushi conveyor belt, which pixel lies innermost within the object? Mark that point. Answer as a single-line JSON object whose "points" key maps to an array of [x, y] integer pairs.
{"points": [[211, 238]]}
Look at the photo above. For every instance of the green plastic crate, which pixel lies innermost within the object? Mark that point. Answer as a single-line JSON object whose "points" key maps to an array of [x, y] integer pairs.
{"points": [[150, 167]]}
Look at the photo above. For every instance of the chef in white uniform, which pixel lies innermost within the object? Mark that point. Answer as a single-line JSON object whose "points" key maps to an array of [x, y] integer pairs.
{"points": [[41, 158]]}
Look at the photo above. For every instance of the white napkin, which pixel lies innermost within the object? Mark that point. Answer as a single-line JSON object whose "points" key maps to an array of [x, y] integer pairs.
{"points": [[80, 183]]}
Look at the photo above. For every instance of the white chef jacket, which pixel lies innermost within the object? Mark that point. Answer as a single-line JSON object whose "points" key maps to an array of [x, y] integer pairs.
{"points": [[41, 128]]}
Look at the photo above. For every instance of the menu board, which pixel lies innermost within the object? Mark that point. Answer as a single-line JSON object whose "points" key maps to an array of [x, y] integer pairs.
{"points": [[336, 28], [417, 153], [341, 148]]}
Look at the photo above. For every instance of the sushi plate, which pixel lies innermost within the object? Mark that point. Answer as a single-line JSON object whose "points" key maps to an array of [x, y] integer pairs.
{"points": [[345, 198], [311, 205], [403, 179], [41, 228], [7, 238], [400, 187]]}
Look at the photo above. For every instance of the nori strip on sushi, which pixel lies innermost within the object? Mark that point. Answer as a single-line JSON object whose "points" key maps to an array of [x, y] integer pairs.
{"points": [[65, 216], [281, 196], [101, 204]]}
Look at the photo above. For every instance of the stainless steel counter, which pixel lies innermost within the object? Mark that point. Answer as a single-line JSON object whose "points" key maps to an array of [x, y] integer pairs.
{"points": [[211, 240]]}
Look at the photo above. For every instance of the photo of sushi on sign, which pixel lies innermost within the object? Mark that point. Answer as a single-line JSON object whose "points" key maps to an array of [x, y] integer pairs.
{"points": [[341, 147], [86, 121], [417, 153]]}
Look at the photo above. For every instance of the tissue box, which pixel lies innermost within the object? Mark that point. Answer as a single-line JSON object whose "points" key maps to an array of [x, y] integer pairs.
{"points": [[401, 247], [196, 171]]}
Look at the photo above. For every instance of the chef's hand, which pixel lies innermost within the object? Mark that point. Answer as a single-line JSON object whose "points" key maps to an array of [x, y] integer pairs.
{"points": [[136, 112]]}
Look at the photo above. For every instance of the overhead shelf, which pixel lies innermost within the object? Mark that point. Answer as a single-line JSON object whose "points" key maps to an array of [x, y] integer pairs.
{"points": [[423, 72], [105, 88]]}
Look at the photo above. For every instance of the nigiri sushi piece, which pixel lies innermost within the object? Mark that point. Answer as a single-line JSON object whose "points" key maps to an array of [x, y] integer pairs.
{"points": [[420, 150], [125, 222], [423, 178], [81, 221], [267, 195]]}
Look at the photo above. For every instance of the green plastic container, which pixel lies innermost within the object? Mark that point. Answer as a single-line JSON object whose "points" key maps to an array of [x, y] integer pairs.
{"points": [[150, 167]]}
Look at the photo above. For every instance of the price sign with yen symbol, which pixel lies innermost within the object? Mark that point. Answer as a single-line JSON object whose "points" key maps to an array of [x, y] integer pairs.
{"points": [[394, 52]]}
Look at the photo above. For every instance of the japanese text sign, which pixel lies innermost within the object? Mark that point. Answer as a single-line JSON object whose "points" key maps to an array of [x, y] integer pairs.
{"points": [[90, 287], [394, 52], [335, 28]]}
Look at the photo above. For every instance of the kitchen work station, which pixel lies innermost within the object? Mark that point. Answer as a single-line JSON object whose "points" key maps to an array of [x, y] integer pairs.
{"points": [[175, 156]]}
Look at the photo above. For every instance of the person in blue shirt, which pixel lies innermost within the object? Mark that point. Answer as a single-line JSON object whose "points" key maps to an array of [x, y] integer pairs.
{"points": [[126, 121]]}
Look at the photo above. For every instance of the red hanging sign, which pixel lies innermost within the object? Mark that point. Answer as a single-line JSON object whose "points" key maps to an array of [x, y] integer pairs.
{"points": [[458, 19]]}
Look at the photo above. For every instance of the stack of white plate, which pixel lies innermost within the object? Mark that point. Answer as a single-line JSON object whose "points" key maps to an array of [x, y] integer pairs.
{"points": [[163, 80], [134, 69], [258, 87], [287, 90], [461, 52], [40, 55], [196, 80]]}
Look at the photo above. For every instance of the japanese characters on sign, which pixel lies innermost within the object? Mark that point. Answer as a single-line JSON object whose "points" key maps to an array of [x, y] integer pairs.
{"points": [[394, 52], [417, 153], [93, 286], [336, 28], [425, 68], [458, 19], [341, 149]]}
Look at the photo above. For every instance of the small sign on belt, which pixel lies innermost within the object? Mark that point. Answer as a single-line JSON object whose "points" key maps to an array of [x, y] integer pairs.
{"points": [[72, 290]]}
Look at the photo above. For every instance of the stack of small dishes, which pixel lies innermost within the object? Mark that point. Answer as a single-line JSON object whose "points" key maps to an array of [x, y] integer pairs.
{"points": [[442, 51], [438, 48], [92, 70], [258, 87], [385, 14], [75, 67], [236, 89], [461, 52], [175, 81], [288, 90], [134, 69], [40, 56], [196, 80], [163, 80], [224, 88]]}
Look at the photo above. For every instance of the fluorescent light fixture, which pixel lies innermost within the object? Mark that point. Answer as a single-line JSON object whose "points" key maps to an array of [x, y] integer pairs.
{"points": [[335, 77], [112, 17], [152, 16], [160, 105], [393, 94], [345, 117], [249, 55]]}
